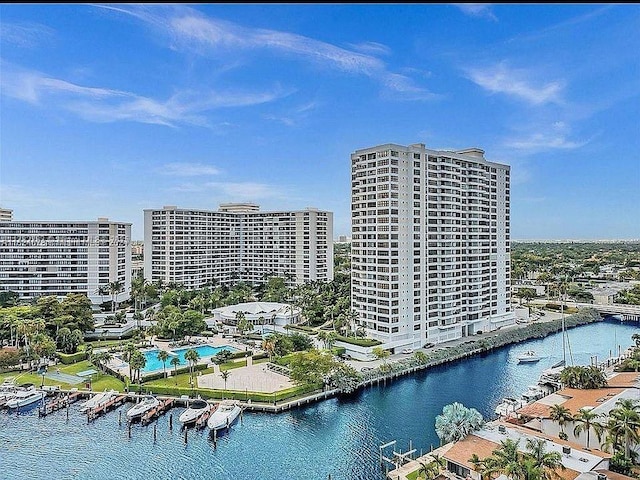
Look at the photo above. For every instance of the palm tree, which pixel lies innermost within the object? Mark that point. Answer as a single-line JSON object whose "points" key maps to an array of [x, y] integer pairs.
{"points": [[225, 375], [137, 363], [192, 356], [562, 415], [542, 462], [506, 459], [163, 356], [586, 420], [625, 423], [114, 289], [456, 422], [269, 346], [175, 361]]}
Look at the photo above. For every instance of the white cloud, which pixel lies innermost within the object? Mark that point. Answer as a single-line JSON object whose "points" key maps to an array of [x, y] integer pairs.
{"points": [[19, 197], [515, 82], [25, 35], [188, 169], [108, 105], [477, 10], [234, 191], [544, 141], [371, 48], [191, 30]]}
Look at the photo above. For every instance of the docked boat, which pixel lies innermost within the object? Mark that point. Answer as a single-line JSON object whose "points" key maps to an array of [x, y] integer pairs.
{"points": [[7, 389], [24, 395], [508, 406], [139, 409], [528, 357], [225, 415], [533, 393], [98, 400], [192, 413]]}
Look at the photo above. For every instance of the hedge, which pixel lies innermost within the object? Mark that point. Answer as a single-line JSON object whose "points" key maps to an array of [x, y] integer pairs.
{"points": [[240, 354], [338, 351], [301, 328], [361, 342], [68, 359], [208, 333]]}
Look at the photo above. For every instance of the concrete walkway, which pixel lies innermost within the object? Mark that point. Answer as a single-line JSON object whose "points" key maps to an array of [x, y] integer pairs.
{"points": [[255, 378]]}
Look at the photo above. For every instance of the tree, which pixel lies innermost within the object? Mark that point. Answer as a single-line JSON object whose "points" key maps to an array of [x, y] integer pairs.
{"points": [[311, 367], [163, 356], [114, 289], [562, 415], [243, 325], [581, 377], [625, 423], [136, 363], [344, 377], [223, 356], [175, 361], [225, 376], [381, 354], [586, 420], [430, 470], [192, 356], [456, 422], [79, 307], [269, 345]]}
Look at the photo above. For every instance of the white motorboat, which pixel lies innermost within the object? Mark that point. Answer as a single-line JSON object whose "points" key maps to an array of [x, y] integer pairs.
{"points": [[192, 413], [508, 406], [7, 389], [97, 400], [146, 404], [533, 393], [24, 395], [224, 416], [528, 357]]}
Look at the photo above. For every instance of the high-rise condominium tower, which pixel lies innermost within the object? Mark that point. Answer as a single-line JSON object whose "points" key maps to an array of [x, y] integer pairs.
{"points": [[59, 257], [237, 243], [430, 243]]}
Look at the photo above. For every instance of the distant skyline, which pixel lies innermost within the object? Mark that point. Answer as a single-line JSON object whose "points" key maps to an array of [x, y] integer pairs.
{"points": [[106, 110]]}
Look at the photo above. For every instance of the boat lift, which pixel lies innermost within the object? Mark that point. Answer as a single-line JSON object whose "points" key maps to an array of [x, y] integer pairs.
{"points": [[398, 458]]}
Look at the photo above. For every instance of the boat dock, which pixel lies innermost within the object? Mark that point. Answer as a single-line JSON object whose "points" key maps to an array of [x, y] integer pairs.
{"points": [[154, 413], [111, 404], [201, 422], [60, 402]]}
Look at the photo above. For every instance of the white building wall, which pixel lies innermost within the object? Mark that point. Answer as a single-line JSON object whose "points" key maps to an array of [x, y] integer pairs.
{"points": [[194, 247], [430, 243]]}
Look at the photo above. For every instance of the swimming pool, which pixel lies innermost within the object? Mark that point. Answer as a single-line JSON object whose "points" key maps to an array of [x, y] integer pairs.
{"points": [[153, 364]]}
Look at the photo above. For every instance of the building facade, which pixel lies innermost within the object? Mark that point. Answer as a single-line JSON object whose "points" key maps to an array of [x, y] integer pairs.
{"points": [[6, 215], [237, 243], [59, 257], [430, 244]]}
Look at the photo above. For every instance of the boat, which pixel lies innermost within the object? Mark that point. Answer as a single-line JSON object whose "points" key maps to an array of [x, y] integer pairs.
{"points": [[528, 357], [224, 416], [533, 393], [508, 406], [7, 389], [24, 395], [97, 400], [196, 408], [139, 409]]}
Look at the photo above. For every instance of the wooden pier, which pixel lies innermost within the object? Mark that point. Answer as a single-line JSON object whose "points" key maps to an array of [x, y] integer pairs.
{"points": [[152, 414], [60, 402], [111, 404], [201, 422]]}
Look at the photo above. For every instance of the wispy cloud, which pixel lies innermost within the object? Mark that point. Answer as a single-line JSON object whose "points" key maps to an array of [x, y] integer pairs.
{"points": [[234, 191], [191, 30], [188, 169], [294, 116], [554, 137], [371, 48], [100, 104], [25, 35], [483, 10], [515, 82], [19, 196]]}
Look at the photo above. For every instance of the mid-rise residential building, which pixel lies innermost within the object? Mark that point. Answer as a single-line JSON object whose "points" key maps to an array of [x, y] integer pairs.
{"points": [[237, 243], [6, 215], [430, 244], [59, 257]]}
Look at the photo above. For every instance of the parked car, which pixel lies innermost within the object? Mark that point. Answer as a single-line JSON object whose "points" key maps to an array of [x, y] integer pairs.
{"points": [[366, 369], [407, 351], [429, 345], [346, 356]]}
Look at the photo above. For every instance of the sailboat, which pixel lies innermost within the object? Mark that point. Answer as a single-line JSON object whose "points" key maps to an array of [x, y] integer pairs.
{"points": [[550, 378]]}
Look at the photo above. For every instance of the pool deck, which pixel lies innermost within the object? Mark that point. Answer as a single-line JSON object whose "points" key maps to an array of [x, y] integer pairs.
{"points": [[253, 378]]}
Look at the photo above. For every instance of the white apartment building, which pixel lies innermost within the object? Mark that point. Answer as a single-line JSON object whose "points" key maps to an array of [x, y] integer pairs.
{"points": [[6, 215], [237, 243], [430, 244], [58, 257]]}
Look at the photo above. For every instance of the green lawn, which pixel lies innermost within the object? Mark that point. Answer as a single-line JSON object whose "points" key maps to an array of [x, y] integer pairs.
{"points": [[100, 381]]}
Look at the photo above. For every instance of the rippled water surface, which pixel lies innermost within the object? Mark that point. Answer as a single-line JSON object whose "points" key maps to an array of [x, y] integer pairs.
{"points": [[339, 437]]}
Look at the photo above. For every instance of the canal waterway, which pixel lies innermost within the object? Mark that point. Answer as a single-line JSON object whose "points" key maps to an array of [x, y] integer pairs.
{"points": [[338, 437]]}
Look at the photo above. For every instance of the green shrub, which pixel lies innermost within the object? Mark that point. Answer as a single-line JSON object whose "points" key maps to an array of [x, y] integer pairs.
{"points": [[241, 354], [338, 351], [68, 358], [9, 357], [361, 342], [260, 356], [208, 333]]}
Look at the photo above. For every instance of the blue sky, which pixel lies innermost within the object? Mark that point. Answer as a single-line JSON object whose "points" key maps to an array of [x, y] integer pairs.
{"points": [[109, 109]]}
